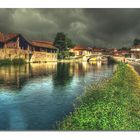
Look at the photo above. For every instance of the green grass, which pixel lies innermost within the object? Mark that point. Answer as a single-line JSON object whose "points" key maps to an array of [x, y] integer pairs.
{"points": [[113, 104], [16, 61]]}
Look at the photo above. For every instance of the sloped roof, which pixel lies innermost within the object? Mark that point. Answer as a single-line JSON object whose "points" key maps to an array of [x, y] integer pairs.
{"points": [[10, 36], [45, 44], [4, 38], [79, 47], [7, 37], [97, 49]]}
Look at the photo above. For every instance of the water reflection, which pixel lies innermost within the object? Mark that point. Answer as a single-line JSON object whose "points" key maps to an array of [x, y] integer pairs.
{"points": [[17, 76], [63, 74], [36, 96]]}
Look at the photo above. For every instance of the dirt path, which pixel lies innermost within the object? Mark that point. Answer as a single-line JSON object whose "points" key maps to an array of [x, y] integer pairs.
{"points": [[135, 65]]}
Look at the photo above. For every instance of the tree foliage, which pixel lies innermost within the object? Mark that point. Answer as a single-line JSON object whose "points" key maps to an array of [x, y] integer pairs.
{"points": [[136, 41], [62, 42], [124, 49]]}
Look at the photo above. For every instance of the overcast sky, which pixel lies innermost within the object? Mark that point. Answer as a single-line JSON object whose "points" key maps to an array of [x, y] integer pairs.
{"points": [[100, 27]]}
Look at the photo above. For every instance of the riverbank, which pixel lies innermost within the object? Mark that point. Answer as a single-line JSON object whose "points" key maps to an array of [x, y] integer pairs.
{"points": [[16, 61], [113, 104]]}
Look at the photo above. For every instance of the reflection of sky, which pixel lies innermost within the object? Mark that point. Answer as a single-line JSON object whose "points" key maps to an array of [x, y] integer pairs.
{"points": [[39, 104]]}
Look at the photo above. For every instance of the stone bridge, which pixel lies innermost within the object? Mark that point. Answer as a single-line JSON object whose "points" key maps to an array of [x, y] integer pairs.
{"points": [[94, 57]]}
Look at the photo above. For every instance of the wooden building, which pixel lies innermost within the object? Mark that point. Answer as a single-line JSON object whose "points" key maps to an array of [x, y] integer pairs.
{"points": [[43, 51], [16, 46]]}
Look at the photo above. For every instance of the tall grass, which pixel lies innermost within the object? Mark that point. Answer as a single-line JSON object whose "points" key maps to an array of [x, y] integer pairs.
{"points": [[111, 105]]}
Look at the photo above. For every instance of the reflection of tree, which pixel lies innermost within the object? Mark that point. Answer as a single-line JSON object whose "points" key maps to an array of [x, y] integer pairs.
{"points": [[63, 75]]}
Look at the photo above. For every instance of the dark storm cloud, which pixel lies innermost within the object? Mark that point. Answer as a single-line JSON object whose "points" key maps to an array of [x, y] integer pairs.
{"points": [[100, 27]]}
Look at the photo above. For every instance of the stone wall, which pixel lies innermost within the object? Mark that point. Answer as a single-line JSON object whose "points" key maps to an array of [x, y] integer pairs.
{"points": [[43, 57], [7, 53]]}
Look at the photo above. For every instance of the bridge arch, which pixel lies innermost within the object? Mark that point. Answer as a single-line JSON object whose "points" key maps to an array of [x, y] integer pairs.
{"points": [[100, 58]]}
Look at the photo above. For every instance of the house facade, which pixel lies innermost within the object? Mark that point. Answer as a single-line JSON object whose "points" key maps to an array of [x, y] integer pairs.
{"points": [[42, 51], [135, 52], [79, 50], [16, 46]]}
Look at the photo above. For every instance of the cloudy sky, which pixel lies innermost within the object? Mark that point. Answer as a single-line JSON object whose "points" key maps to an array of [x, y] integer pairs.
{"points": [[100, 27]]}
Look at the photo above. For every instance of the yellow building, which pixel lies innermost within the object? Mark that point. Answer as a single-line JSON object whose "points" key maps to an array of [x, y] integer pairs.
{"points": [[135, 52], [16, 46], [81, 51]]}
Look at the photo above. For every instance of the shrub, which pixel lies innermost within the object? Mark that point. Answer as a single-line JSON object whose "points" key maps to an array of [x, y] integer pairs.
{"points": [[111, 60], [18, 61], [5, 62]]}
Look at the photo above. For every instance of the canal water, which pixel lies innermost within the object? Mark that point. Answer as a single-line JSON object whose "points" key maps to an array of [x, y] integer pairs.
{"points": [[36, 96]]}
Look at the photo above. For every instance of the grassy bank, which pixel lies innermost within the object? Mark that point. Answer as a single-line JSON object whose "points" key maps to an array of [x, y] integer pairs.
{"points": [[113, 104], [16, 61]]}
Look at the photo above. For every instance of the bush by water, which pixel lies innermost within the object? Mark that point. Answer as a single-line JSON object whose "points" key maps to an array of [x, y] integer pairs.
{"points": [[16, 61]]}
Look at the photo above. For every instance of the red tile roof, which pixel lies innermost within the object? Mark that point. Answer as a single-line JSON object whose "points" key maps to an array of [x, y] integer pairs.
{"points": [[97, 49], [45, 44], [79, 47], [4, 38], [7, 37], [10, 36]]}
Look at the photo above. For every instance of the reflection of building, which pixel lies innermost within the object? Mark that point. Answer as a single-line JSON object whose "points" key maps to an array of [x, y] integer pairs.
{"points": [[16, 77], [135, 52], [80, 69], [16, 46]]}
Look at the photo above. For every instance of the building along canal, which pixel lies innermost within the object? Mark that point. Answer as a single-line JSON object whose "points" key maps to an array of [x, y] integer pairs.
{"points": [[37, 96]]}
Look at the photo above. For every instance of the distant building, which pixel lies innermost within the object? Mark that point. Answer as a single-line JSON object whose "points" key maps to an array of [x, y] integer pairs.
{"points": [[96, 50], [135, 51], [16, 46], [111, 51], [124, 53], [79, 50]]}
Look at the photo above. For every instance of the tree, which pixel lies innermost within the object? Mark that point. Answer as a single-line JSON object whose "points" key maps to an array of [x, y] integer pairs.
{"points": [[62, 42], [136, 41], [124, 49], [69, 43]]}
